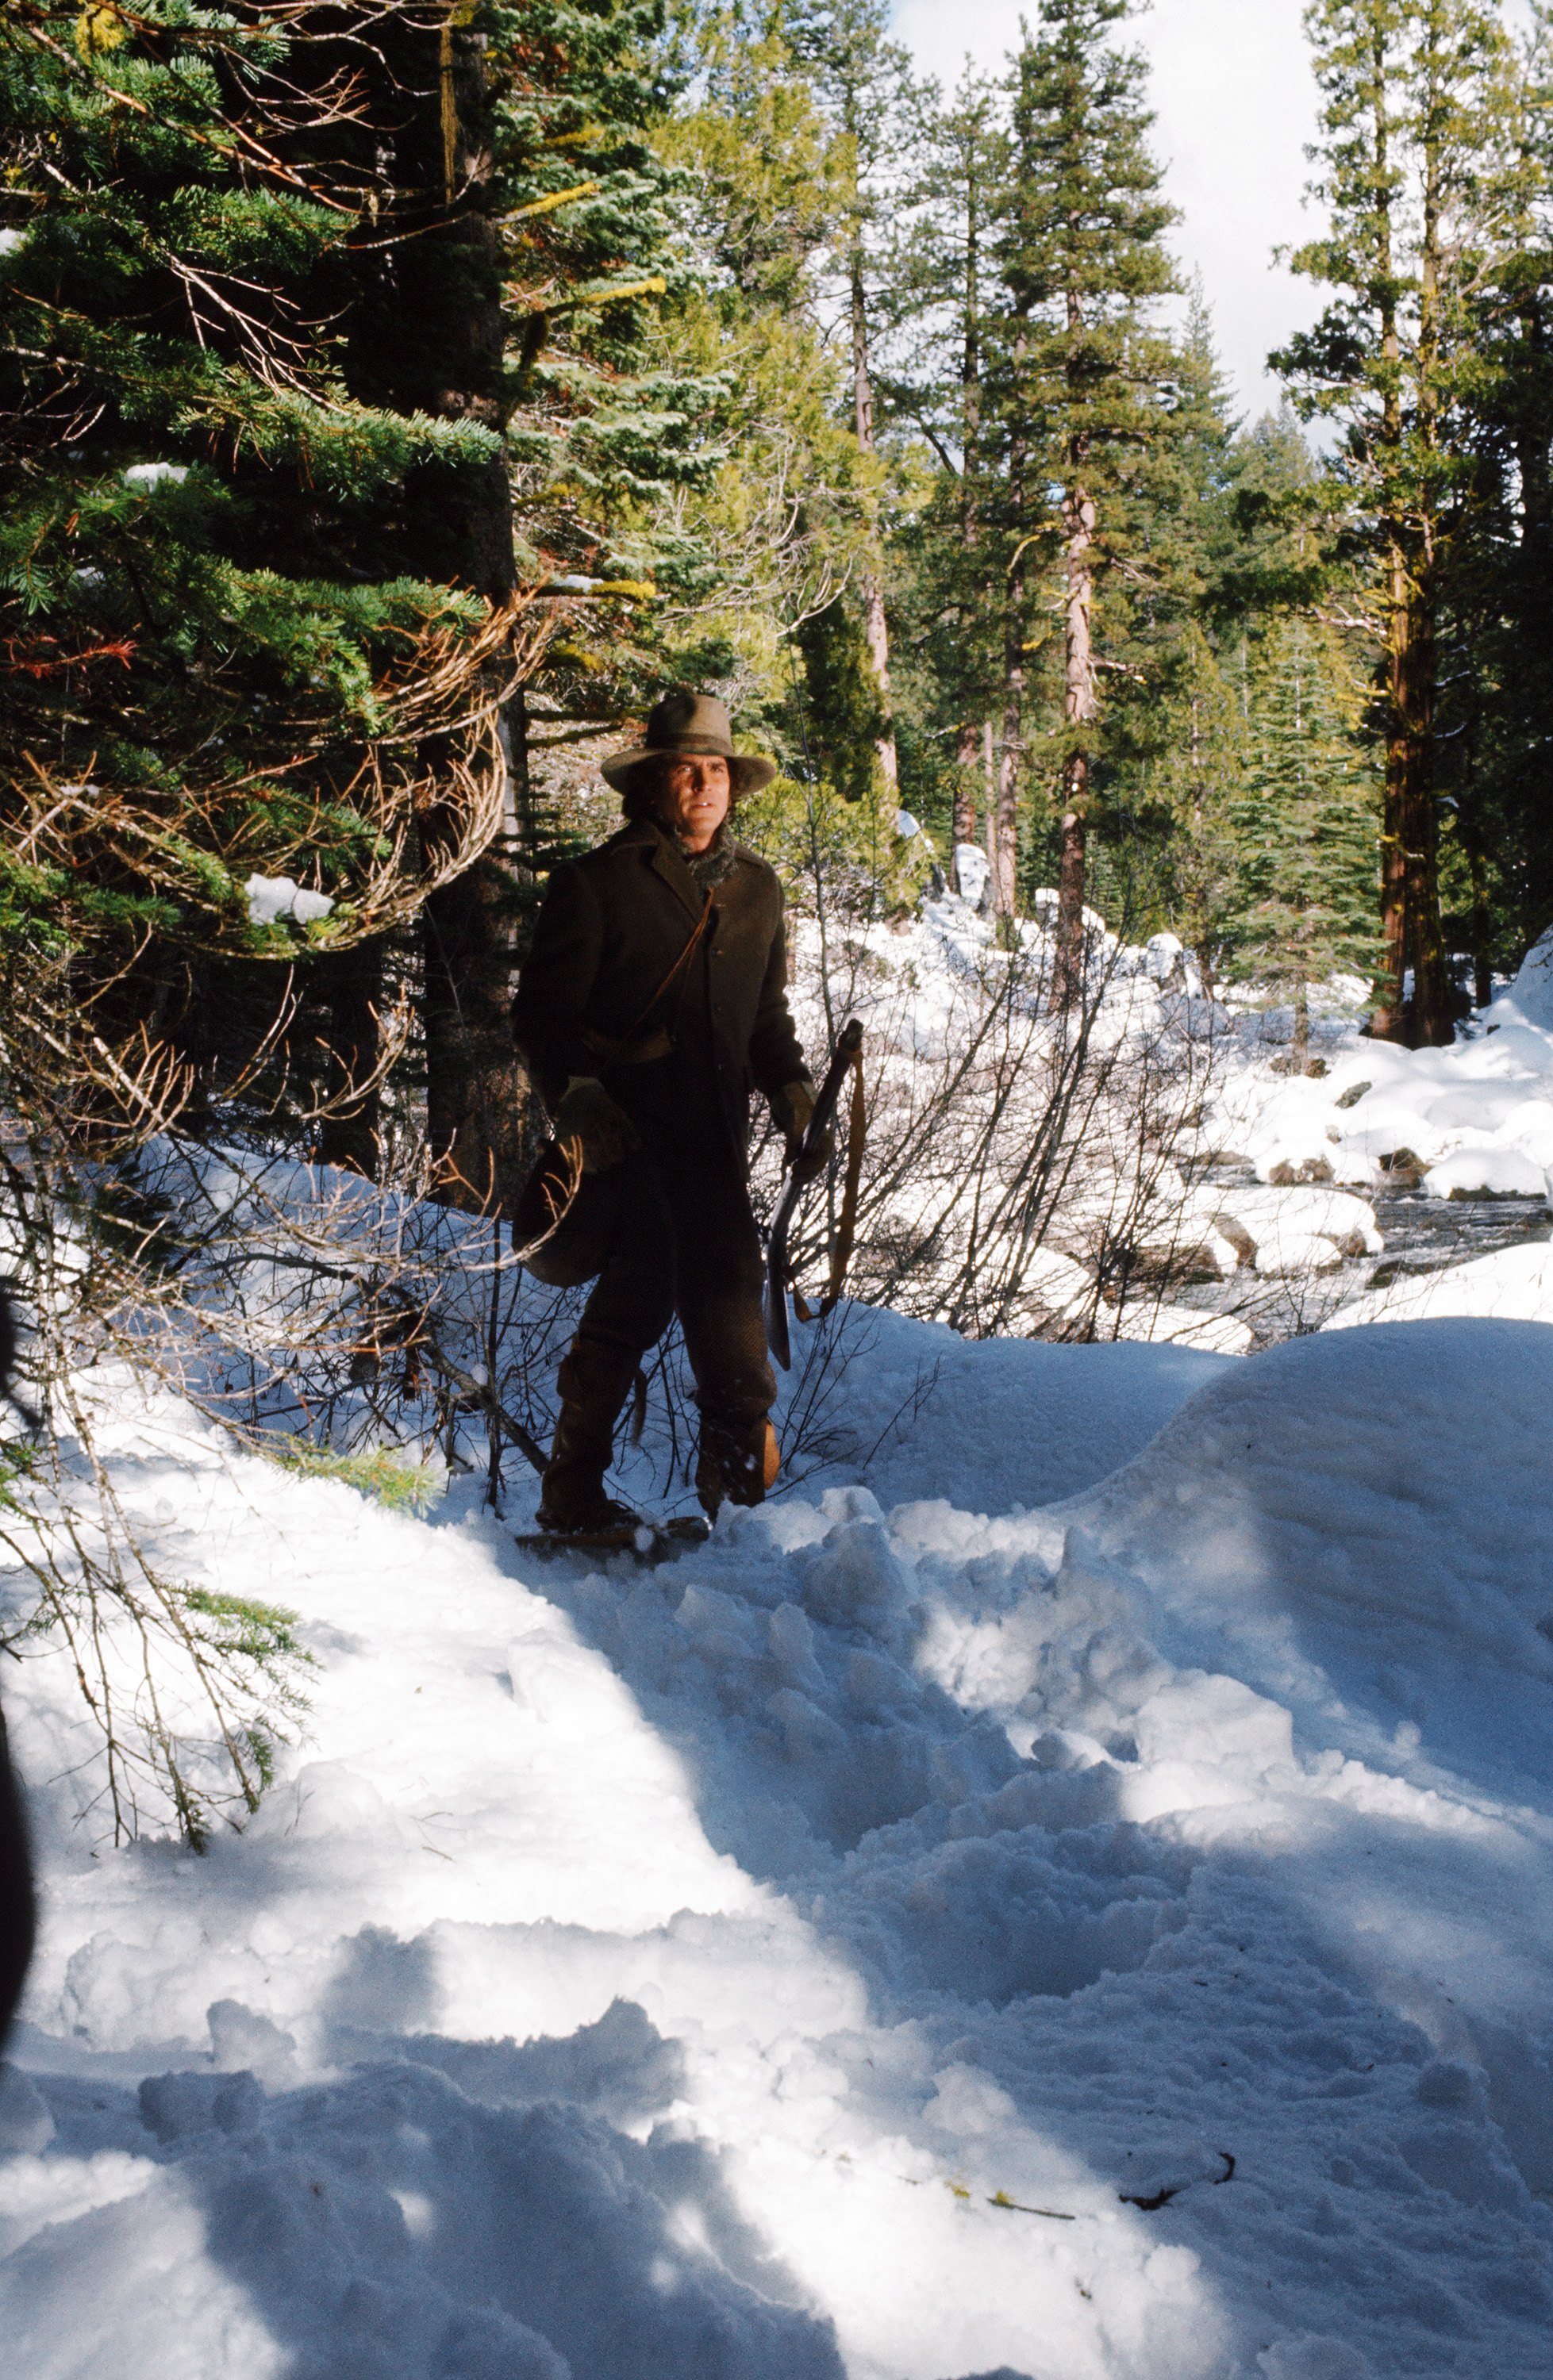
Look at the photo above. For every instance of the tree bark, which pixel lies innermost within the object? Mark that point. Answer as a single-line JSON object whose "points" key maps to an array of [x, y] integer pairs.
{"points": [[970, 509], [970, 736], [1482, 916], [1004, 891], [476, 1089], [1201, 931], [1411, 936], [1070, 879], [1389, 1022], [1300, 1052], [1077, 712], [1430, 1024], [875, 628]]}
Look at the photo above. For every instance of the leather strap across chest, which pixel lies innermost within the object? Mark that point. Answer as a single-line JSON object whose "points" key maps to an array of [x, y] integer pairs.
{"points": [[639, 1047]]}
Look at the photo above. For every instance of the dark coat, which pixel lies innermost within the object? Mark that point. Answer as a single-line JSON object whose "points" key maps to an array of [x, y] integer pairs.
{"points": [[611, 927]]}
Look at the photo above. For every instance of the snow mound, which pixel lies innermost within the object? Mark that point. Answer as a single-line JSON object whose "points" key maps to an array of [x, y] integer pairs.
{"points": [[1007, 1421], [1342, 1488], [1530, 997]]}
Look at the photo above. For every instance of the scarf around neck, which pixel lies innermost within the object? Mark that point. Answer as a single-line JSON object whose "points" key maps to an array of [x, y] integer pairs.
{"points": [[709, 867]]}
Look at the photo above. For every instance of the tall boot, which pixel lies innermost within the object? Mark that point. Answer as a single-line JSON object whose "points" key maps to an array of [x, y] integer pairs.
{"points": [[572, 1502], [595, 1381], [736, 1463]]}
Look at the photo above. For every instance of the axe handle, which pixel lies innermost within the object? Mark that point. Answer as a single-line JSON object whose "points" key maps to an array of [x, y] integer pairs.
{"points": [[827, 1099]]}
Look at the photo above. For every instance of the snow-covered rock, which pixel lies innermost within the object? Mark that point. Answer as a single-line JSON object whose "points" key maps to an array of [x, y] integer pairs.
{"points": [[1483, 1172], [1290, 1231], [1477, 1116], [971, 872]]}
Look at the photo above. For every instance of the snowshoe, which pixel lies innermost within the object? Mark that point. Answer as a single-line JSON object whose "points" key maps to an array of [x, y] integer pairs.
{"points": [[620, 1532]]}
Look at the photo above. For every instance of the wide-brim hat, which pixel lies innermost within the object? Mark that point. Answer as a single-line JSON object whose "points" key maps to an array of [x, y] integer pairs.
{"points": [[690, 727]]}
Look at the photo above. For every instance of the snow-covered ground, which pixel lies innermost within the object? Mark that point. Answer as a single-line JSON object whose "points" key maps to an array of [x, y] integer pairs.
{"points": [[1077, 1902], [1066, 1893], [1252, 1192]]}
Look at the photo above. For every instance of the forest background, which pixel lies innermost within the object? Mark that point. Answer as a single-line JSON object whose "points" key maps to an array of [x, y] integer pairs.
{"points": [[397, 397]]}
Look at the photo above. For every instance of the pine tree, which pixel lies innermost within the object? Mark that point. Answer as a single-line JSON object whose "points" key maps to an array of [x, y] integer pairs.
{"points": [[549, 237], [1081, 373], [1194, 773], [1305, 821], [945, 286], [861, 80], [785, 529], [1415, 184], [225, 661], [1500, 606], [1170, 749]]}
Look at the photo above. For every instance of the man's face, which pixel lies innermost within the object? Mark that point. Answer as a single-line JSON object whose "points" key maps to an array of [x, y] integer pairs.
{"points": [[693, 798]]}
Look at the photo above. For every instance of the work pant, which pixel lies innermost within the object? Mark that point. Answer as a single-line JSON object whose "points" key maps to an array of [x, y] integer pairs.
{"points": [[683, 1243]]}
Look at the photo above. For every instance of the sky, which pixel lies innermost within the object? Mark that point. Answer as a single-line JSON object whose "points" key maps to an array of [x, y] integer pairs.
{"points": [[1235, 106]]}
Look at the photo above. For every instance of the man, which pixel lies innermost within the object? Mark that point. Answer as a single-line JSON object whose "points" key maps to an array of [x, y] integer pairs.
{"points": [[652, 1003]]}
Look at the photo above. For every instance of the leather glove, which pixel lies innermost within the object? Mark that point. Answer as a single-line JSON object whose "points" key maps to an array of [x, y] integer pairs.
{"points": [[588, 1114], [792, 1107]]}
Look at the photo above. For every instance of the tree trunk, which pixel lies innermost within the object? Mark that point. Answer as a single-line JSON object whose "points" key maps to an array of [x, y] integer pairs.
{"points": [[1411, 936], [1005, 839], [1070, 879], [1430, 1024], [875, 628], [1482, 917], [989, 802], [1201, 931], [1389, 1022], [965, 828], [970, 510], [476, 1090], [349, 1135], [1077, 712], [473, 1084], [1410, 918], [1003, 834]]}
